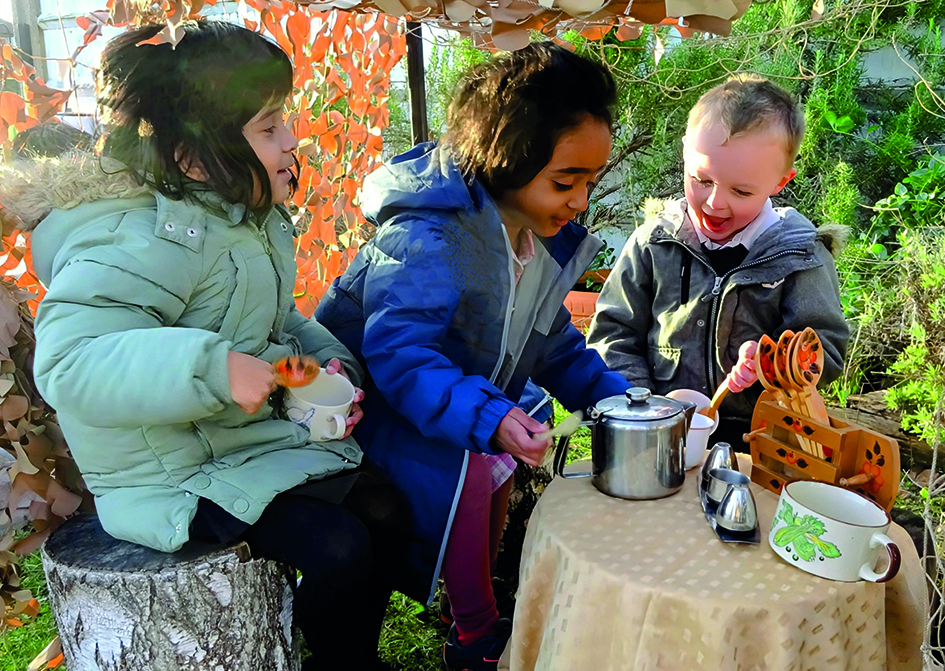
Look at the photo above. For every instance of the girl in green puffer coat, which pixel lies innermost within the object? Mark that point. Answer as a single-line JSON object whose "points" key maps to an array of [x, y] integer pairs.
{"points": [[170, 284]]}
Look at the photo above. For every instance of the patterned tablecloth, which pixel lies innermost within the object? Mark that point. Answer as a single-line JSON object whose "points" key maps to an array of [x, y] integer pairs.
{"points": [[608, 584]]}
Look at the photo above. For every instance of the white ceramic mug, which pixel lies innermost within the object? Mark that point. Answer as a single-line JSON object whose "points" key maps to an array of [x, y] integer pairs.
{"points": [[832, 532], [322, 406], [697, 440]]}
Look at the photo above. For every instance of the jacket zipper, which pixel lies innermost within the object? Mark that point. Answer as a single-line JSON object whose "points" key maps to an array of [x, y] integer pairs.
{"points": [[263, 236], [508, 315], [715, 297]]}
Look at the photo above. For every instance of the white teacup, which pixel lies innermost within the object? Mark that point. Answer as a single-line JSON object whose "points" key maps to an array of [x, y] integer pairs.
{"points": [[832, 532], [322, 406], [697, 440]]}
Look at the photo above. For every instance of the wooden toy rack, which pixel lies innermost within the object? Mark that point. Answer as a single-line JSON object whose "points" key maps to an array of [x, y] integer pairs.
{"points": [[862, 460]]}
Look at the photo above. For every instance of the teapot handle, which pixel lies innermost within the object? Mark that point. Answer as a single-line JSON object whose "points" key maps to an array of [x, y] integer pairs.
{"points": [[561, 455]]}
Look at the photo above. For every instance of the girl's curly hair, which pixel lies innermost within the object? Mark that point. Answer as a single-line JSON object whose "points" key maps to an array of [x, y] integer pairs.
{"points": [[509, 113]]}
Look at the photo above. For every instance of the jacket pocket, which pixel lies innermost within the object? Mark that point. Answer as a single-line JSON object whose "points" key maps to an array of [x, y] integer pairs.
{"points": [[664, 361]]}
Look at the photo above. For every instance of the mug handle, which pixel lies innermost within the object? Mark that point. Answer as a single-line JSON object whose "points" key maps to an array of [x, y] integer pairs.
{"points": [[340, 427], [867, 572]]}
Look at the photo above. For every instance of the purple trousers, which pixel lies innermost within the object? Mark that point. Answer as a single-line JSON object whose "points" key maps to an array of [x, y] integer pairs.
{"points": [[472, 549]]}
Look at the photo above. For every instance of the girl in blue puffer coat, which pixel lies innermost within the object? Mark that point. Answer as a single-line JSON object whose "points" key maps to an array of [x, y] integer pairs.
{"points": [[170, 282], [457, 302]]}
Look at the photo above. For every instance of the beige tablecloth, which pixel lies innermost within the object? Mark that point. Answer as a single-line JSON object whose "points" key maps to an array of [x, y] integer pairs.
{"points": [[608, 584]]}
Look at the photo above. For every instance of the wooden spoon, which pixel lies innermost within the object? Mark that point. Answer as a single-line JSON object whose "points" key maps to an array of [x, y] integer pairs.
{"points": [[782, 374], [807, 365], [764, 366], [566, 427], [295, 371]]}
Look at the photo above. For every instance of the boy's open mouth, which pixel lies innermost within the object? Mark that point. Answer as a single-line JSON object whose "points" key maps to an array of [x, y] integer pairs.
{"points": [[714, 222]]}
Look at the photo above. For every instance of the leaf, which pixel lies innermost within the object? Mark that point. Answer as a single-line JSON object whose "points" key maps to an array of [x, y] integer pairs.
{"points": [[787, 535], [628, 33], [844, 124], [817, 11], [23, 463], [804, 548], [786, 513], [828, 550], [14, 407], [48, 657], [658, 48], [811, 524]]}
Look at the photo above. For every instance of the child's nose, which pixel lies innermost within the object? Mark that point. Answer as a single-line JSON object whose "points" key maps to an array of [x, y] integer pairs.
{"points": [[290, 142], [715, 200], [579, 199]]}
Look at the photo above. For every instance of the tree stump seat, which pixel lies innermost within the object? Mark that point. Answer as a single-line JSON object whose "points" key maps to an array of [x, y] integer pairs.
{"points": [[206, 607]]}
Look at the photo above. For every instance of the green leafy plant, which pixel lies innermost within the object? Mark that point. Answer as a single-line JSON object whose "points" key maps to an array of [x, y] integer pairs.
{"points": [[920, 366], [804, 534]]}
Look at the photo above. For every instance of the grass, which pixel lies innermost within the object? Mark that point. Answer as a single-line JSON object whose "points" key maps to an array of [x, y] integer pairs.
{"points": [[412, 637], [19, 646]]}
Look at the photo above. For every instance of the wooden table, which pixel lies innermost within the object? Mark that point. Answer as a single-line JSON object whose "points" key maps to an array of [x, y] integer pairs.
{"points": [[645, 585]]}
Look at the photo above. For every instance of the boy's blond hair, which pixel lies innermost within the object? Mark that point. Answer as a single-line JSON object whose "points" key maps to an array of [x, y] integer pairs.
{"points": [[748, 103]]}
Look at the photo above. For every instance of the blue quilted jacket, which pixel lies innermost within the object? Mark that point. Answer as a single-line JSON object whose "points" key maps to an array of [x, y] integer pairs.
{"points": [[427, 307]]}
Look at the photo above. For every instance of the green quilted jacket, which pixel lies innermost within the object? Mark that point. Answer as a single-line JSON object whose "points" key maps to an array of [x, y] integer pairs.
{"points": [[146, 297]]}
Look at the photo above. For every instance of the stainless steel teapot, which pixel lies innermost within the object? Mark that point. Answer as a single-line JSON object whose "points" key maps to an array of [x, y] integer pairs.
{"points": [[638, 445]]}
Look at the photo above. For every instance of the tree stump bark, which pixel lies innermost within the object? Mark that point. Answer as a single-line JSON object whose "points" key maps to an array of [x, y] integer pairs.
{"points": [[204, 608]]}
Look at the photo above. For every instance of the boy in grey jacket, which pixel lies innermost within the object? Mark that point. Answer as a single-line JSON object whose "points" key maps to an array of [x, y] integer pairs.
{"points": [[706, 274]]}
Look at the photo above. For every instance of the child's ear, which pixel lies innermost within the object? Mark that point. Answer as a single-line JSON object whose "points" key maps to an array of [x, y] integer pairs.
{"points": [[784, 180], [190, 166]]}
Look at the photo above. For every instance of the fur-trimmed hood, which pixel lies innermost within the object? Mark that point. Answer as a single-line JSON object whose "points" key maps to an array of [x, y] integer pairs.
{"points": [[30, 190]]}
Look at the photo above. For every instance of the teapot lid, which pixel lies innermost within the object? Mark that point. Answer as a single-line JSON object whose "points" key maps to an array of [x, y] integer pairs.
{"points": [[638, 403]]}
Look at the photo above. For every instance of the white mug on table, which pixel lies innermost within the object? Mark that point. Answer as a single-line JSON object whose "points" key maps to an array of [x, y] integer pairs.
{"points": [[832, 532]]}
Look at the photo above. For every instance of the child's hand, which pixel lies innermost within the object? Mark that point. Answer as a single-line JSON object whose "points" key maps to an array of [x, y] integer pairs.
{"points": [[514, 436], [335, 367], [251, 381], [743, 375]]}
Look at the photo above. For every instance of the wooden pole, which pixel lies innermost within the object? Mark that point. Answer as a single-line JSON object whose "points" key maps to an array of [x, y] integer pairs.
{"points": [[416, 85], [28, 34]]}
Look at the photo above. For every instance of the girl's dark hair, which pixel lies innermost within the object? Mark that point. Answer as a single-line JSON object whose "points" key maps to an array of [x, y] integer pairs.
{"points": [[509, 113], [169, 106]]}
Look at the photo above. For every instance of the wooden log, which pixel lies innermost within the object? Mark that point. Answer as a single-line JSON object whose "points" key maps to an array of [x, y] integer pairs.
{"points": [[204, 608], [870, 411]]}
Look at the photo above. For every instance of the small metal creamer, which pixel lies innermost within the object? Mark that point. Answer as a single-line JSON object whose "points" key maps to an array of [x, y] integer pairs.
{"points": [[638, 445]]}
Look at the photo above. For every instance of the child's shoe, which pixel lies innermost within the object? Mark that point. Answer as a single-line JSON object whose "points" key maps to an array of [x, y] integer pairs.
{"points": [[446, 609], [483, 655]]}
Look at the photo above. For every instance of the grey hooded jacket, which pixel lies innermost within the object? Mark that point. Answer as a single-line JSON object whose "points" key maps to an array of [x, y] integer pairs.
{"points": [[667, 321]]}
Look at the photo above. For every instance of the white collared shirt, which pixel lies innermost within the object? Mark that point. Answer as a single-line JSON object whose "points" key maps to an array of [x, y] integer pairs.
{"points": [[745, 237], [526, 252]]}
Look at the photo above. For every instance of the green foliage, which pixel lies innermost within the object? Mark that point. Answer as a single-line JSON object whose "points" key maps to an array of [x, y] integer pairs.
{"points": [[412, 636], [840, 203], [449, 61], [18, 647], [917, 201], [920, 366]]}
